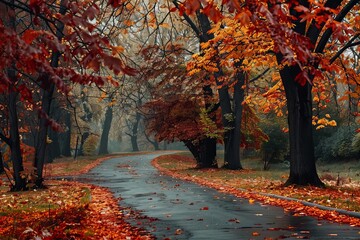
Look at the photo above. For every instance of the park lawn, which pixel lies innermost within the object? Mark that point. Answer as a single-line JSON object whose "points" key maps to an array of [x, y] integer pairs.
{"points": [[256, 184], [65, 210]]}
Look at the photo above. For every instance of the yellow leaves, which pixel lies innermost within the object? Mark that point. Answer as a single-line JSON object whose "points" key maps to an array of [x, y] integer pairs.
{"points": [[320, 127], [323, 122], [103, 96], [117, 50], [164, 25], [332, 123]]}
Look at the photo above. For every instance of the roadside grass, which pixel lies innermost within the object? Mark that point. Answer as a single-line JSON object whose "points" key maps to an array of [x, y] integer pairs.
{"points": [[342, 187], [68, 166]]}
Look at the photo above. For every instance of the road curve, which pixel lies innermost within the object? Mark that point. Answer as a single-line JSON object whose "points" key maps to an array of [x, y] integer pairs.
{"points": [[184, 210]]}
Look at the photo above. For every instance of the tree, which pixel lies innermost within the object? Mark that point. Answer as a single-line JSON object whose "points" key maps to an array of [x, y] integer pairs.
{"points": [[299, 32], [231, 108], [54, 42]]}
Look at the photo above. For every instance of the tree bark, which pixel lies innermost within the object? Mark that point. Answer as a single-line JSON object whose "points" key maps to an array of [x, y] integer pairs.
{"points": [[2, 168], [207, 153], [299, 104], [14, 139], [134, 134], [66, 136], [16, 158], [194, 149], [231, 118], [103, 149]]}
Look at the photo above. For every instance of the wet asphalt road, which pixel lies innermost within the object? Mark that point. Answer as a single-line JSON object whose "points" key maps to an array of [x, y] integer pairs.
{"points": [[188, 211]]}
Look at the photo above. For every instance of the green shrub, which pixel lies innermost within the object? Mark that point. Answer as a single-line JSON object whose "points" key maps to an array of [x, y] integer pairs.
{"points": [[342, 144], [277, 148]]}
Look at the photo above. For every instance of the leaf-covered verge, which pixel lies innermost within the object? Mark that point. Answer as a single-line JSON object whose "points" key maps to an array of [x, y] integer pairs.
{"points": [[65, 210], [72, 167], [249, 184]]}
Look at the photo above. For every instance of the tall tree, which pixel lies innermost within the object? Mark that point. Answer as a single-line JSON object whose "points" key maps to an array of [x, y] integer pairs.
{"points": [[42, 60]]}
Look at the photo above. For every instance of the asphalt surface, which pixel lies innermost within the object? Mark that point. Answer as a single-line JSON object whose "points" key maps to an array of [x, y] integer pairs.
{"points": [[177, 209]]}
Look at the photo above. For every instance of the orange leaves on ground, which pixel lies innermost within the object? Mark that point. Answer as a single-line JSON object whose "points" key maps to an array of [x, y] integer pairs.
{"points": [[255, 189], [72, 211]]}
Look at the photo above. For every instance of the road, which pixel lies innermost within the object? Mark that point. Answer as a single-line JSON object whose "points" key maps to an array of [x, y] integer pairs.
{"points": [[184, 210]]}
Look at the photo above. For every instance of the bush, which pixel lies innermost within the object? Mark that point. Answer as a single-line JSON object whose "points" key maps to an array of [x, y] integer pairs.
{"points": [[277, 148], [342, 144], [90, 145]]}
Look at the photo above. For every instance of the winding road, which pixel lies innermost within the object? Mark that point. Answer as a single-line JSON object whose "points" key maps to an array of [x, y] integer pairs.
{"points": [[183, 210]]}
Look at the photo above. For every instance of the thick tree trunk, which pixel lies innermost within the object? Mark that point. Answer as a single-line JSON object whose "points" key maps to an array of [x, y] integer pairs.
{"points": [[66, 136], [45, 107], [16, 158], [231, 118], [207, 147], [207, 153], [194, 149], [103, 149], [53, 149], [299, 104]]}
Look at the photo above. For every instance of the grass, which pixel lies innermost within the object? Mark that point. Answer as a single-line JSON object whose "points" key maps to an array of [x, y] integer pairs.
{"points": [[341, 191]]}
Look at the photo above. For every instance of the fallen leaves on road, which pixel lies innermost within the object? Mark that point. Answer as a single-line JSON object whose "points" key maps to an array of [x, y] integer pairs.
{"points": [[229, 181]]}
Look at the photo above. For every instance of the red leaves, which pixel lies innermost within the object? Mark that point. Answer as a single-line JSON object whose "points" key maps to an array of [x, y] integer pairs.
{"points": [[191, 6], [212, 12], [29, 35], [115, 3]]}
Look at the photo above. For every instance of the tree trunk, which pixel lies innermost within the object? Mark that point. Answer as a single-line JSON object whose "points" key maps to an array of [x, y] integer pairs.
{"points": [[2, 169], [194, 149], [14, 140], [231, 119], [16, 158], [299, 104], [103, 149], [66, 136], [53, 149], [134, 134], [207, 153], [45, 107], [153, 142]]}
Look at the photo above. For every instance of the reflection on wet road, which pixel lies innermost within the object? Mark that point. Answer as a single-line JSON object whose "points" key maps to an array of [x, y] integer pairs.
{"points": [[188, 211]]}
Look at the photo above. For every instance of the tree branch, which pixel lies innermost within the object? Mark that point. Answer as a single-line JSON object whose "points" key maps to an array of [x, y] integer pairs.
{"points": [[325, 37], [349, 44]]}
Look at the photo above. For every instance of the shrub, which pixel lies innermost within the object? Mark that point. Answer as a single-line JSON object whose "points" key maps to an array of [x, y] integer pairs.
{"points": [[342, 144], [90, 145], [277, 148]]}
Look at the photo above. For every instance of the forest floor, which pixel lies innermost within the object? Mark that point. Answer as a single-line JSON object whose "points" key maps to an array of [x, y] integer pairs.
{"points": [[341, 191], [96, 214], [66, 210]]}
